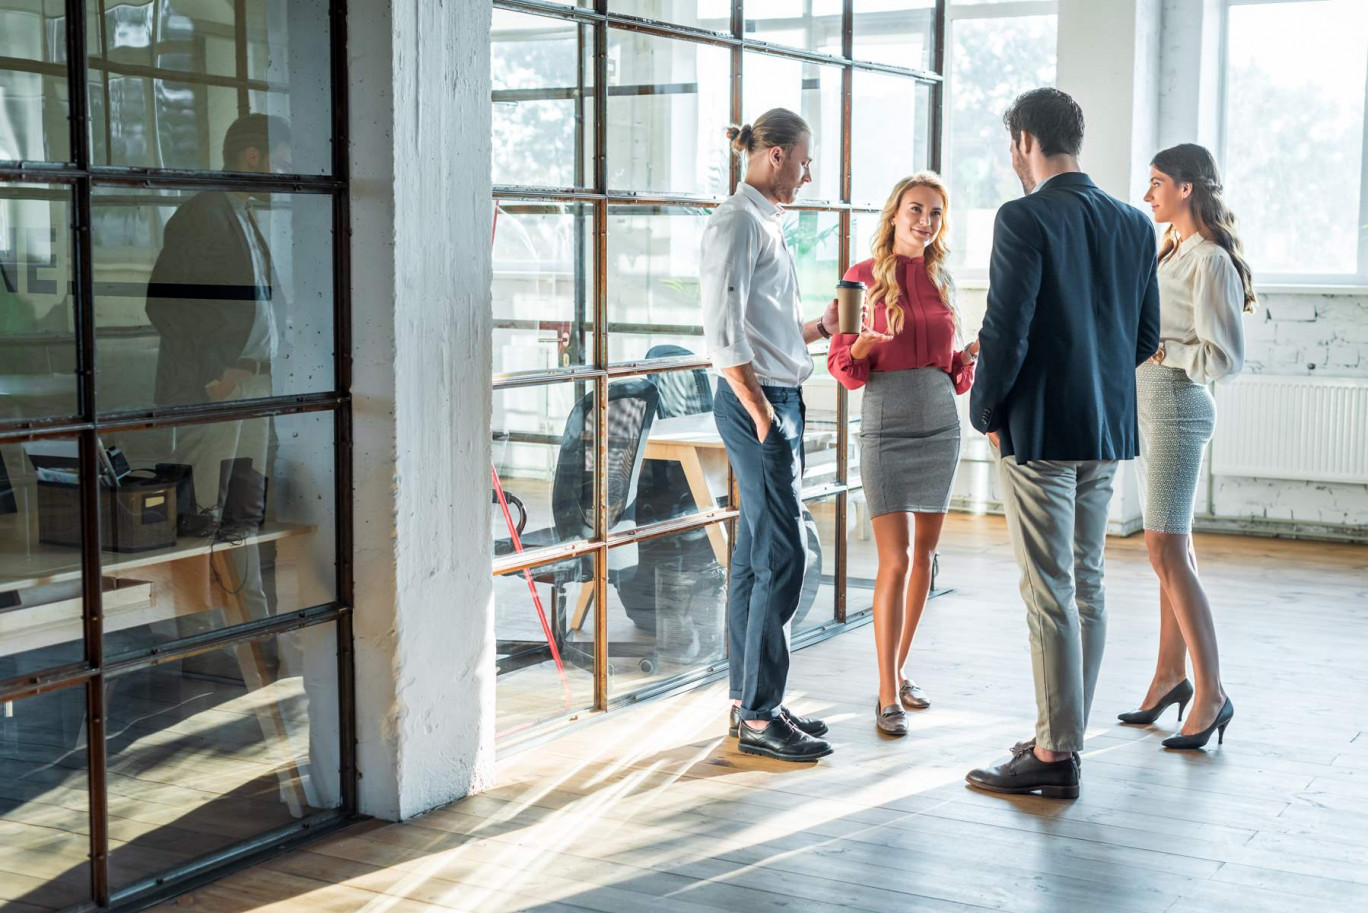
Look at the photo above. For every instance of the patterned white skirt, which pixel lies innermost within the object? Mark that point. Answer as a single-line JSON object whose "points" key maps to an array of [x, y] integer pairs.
{"points": [[1177, 419]]}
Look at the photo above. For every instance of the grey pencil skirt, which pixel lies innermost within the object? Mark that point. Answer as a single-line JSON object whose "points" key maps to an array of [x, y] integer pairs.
{"points": [[1177, 418], [909, 441]]}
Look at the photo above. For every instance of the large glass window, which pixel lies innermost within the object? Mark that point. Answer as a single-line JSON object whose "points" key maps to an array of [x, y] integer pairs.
{"points": [[167, 79], [901, 33], [993, 54], [33, 82], [667, 104], [543, 100], [37, 322], [614, 508], [1298, 69], [174, 443]]}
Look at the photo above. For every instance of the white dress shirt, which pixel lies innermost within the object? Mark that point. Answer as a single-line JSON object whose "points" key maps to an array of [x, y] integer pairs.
{"points": [[752, 312], [1201, 311], [261, 341]]}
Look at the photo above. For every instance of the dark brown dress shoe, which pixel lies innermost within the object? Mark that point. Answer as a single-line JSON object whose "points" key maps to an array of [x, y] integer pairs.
{"points": [[1025, 773]]}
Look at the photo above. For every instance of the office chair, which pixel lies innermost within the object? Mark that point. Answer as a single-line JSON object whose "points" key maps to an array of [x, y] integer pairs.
{"points": [[632, 406], [681, 392]]}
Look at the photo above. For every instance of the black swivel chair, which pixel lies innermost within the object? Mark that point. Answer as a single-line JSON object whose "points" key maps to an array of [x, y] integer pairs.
{"points": [[632, 406], [681, 392]]}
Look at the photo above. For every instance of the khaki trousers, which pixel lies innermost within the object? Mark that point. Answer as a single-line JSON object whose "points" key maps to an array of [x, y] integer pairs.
{"points": [[1057, 518]]}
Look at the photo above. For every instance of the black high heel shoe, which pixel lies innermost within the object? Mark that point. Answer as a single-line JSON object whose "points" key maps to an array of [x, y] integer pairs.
{"points": [[1180, 694], [1199, 740]]}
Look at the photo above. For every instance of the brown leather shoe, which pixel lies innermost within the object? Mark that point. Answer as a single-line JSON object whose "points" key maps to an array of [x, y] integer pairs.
{"points": [[912, 695]]}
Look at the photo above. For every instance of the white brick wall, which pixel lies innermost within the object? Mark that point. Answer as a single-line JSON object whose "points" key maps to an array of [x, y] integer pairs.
{"points": [[1301, 334]]}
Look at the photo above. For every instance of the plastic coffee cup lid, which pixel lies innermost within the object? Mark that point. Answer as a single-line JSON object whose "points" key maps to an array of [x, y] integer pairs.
{"points": [[849, 283]]}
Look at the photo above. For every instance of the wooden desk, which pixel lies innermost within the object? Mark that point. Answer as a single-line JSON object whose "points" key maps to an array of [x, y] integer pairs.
{"points": [[692, 441], [141, 588]]}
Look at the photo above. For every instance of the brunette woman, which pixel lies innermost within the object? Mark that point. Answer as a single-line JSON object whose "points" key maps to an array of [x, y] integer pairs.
{"points": [[1205, 288]]}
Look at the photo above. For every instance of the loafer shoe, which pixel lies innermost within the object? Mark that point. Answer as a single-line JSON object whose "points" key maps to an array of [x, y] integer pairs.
{"points": [[891, 720]]}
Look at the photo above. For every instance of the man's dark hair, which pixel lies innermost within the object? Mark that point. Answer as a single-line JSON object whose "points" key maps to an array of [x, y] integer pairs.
{"points": [[262, 132], [1051, 116]]}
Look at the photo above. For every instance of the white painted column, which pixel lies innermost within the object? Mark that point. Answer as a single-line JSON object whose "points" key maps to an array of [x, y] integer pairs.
{"points": [[1109, 61], [421, 316], [1189, 78]]}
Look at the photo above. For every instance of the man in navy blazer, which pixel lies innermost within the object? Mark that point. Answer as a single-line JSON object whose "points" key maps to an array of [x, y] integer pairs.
{"points": [[1073, 309]]}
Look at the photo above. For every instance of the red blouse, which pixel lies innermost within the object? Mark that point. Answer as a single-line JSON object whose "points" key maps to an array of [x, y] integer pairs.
{"points": [[927, 339]]}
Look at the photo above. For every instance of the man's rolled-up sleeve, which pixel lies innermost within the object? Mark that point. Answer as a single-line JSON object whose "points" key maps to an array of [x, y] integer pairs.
{"points": [[731, 242]]}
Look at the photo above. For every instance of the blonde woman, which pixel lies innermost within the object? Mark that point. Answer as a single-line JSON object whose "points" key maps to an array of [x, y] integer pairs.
{"points": [[905, 357], [1205, 288]]}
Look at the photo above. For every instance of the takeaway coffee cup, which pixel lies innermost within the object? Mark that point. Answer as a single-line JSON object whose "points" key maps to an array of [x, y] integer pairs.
{"points": [[849, 305]]}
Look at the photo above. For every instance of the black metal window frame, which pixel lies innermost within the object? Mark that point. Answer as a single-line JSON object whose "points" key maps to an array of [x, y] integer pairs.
{"points": [[598, 198], [81, 178]]}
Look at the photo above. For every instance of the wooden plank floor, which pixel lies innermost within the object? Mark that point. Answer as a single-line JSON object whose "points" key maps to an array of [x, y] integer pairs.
{"points": [[653, 809]]}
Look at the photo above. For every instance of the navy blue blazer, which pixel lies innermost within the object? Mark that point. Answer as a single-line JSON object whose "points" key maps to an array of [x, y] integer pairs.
{"points": [[1073, 309]]}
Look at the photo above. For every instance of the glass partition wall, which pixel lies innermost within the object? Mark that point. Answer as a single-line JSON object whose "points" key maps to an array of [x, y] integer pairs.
{"points": [[175, 584], [613, 501]]}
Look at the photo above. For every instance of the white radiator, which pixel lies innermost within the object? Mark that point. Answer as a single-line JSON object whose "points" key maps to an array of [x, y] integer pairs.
{"points": [[1312, 428]]}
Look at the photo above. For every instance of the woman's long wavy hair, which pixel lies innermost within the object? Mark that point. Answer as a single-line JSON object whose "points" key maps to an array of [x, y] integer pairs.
{"points": [[1192, 164], [885, 287]]}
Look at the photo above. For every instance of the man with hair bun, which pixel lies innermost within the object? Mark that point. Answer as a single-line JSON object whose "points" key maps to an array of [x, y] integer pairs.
{"points": [[756, 337]]}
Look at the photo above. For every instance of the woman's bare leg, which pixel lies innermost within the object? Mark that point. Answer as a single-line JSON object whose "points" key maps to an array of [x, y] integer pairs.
{"points": [[891, 535], [1175, 562], [926, 536]]}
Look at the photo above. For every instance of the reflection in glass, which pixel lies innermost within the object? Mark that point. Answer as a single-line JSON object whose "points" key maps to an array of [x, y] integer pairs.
{"points": [[713, 15], [544, 632], [37, 330], [813, 26], [214, 525], [543, 286], [818, 603], [811, 90], [669, 103], [212, 750], [653, 293], [896, 110], [900, 33], [44, 801], [862, 556], [990, 65], [168, 77], [33, 82], [543, 111], [667, 608], [40, 583], [211, 296]]}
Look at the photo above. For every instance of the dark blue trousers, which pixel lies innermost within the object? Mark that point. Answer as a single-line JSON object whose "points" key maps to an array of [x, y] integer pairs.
{"points": [[770, 554]]}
